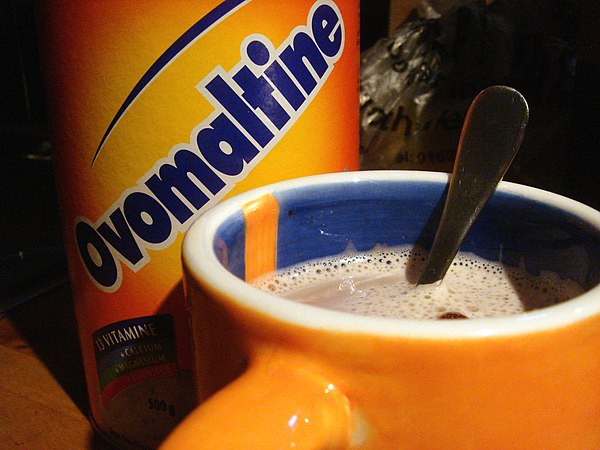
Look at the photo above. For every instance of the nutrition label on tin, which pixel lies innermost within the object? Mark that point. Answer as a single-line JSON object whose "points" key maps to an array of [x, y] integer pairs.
{"points": [[132, 351]]}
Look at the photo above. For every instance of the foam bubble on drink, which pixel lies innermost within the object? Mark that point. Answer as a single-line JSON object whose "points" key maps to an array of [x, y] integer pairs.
{"points": [[382, 282]]}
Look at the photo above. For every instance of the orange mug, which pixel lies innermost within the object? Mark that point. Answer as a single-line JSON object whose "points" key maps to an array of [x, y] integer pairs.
{"points": [[275, 373]]}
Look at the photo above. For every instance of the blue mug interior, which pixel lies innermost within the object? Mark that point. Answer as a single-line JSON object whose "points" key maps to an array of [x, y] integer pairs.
{"points": [[321, 220]]}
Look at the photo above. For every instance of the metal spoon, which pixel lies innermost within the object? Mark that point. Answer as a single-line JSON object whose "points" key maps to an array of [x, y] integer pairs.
{"points": [[491, 135]]}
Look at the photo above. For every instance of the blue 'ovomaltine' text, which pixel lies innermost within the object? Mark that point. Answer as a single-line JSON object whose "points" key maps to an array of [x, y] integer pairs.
{"points": [[255, 103]]}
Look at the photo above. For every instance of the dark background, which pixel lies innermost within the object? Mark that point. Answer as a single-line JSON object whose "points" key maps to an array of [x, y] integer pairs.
{"points": [[31, 257]]}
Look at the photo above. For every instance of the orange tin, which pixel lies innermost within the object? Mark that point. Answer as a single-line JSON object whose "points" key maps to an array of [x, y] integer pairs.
{"points": [[160, 110]]}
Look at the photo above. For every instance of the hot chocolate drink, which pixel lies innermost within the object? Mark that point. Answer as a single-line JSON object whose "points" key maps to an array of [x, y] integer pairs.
{"points": [[382, 282]]}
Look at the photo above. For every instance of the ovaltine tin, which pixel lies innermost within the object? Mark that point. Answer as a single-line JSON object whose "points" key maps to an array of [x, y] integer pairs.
{"points": [[160, 110]]}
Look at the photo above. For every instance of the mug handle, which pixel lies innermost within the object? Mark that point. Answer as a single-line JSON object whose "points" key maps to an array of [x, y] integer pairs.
{"points": [[273, 405]]}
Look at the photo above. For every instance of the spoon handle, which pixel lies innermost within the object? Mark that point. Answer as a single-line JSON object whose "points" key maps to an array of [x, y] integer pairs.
{"points": [[491, 135]]}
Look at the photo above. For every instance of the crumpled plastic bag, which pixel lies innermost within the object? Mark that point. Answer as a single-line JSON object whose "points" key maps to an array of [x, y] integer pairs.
{"points": [[417, 84]]}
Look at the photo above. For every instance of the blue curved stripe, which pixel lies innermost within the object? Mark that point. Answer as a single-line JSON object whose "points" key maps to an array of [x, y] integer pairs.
{"points": [[214, 16]]}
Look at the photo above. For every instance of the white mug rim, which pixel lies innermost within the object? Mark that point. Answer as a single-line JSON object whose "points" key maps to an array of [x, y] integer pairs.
{"points": [[206, 266]]}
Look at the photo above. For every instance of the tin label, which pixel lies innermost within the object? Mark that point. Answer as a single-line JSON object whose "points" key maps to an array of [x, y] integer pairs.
{"points": [[132, 351]]}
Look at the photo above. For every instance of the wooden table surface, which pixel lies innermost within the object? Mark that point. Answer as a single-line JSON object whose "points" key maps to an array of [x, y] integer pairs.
{"points": [[43, 399]]}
